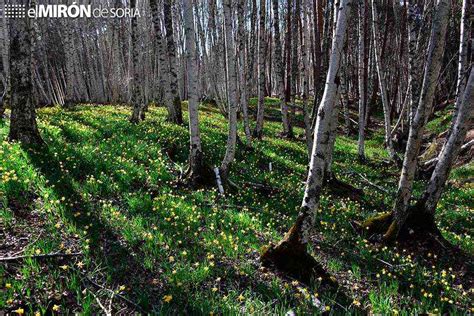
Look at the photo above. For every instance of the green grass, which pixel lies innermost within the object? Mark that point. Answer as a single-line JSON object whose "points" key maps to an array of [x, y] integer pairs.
{"points": [[106, 188]]}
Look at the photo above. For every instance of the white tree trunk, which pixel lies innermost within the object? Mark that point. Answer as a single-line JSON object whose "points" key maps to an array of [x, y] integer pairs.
{"points": [[463, 65], [362, 78], [430, 79], [301, 231], [447, 157], [305, 72], [244, 98], [195, 150], [232, 109], [258, 132], [280, 70]]}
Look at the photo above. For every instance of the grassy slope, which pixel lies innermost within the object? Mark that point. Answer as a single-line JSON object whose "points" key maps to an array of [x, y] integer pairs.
{"points": [[106, 188]]}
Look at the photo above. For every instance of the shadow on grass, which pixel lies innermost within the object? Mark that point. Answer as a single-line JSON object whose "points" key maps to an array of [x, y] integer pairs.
{"points": [[107, 250]]}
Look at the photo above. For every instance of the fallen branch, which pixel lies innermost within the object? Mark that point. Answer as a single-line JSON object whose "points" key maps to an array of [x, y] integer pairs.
{"points": [[218, 180], [106, 311], [135, 305], [32, 243], [42, 256], [378, 187], [434, 160]]}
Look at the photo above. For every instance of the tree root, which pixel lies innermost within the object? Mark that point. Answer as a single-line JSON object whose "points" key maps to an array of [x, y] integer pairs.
{"points": [[290, 256], [202, 177], [294, 261], [418, 223], [343, 189]]}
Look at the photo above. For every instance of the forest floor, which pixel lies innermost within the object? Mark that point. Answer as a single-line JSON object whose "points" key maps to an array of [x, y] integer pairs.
{"points": [[104, 193]]}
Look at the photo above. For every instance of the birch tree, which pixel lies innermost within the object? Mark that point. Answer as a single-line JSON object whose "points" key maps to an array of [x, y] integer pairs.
{"points": [[280, 71], [463, 62], [23, 126], [290, 253], [400, 213], [362, 76], [174, 103], [232, 102], [382, 85], [5, 73], [258, 131], [426, 208], [244, 97], [197, 172], [138, 114]]}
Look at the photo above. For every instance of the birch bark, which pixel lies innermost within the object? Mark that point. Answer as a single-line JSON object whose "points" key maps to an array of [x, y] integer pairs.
{"points": [[461, 121], [291, 253], [196, 168], [232, 112], [175, 103], [137, 114], [430, 79], [280, 70], [23, 125], [362, 76], [258, 131]]}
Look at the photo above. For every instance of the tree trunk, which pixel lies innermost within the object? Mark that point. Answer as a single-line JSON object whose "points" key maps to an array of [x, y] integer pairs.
{"points": [[176, 116], [382, 86], [197, 173], [305, 71], [23, 125], [461, 122], [4, 44], [362, 76], [137, 103], [162, 51], [430, 78], [232, 103], [463, 65], [414, 25], [290, 254], [244, 98], [280, 71], [258, 132]]}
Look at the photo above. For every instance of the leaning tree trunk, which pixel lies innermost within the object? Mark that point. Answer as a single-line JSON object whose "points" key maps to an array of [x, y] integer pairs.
{"points": [[23, 125], [290, 254], [382, 86], [137, 114], [305, 71], [175, 103], [280, 71], [430, 78], [258, 131], [461, 122], [232, 111]]}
